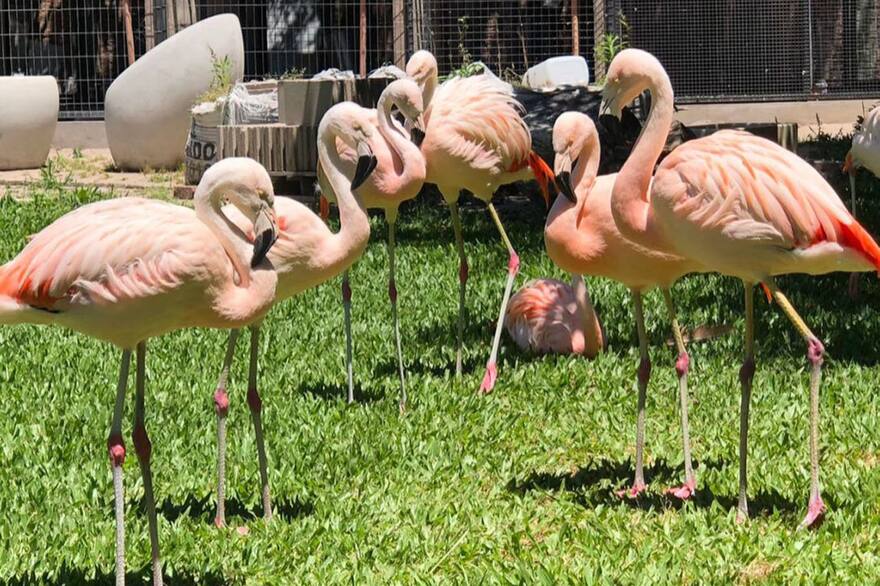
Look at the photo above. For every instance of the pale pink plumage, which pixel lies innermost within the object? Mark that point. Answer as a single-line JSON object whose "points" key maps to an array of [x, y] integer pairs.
{"points": [[475, 139], [545, 317], [128, 269], [739, 205]]}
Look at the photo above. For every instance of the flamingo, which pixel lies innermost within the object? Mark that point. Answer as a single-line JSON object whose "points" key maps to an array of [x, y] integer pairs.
{"points": [[865, 152], [305, 255], [581, 237], [398, 177], [550, 317], [741, 206], [94, 271], [475, 139]]}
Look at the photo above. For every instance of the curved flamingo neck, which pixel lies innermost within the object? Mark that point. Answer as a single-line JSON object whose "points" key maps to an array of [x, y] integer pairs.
{"points": [[402, 147], [562, 222], [594, 341], [630, 201], [208, 201], [348, 243], [429, 88]]}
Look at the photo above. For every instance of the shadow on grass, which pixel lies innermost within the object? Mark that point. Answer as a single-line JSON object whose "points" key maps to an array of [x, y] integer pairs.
{"points": [[205, 510], [91, 576], [621, 474], [335, 392]]}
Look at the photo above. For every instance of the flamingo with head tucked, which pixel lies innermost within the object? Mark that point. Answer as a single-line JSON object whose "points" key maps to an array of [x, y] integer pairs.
{"points": [[306, 255], [865, 153], [475, 139], [126, 270], [582, 237], [741, 206], [547, 316]]}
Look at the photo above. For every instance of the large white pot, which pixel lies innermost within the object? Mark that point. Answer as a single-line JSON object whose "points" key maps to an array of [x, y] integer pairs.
{"points": [[147, 108], [28, 116]]}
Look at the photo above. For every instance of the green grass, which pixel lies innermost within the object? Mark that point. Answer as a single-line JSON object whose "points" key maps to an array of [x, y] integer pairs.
{"points": [[516, 487]]}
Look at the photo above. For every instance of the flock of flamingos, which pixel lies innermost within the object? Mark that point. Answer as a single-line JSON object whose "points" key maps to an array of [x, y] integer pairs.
{"points": [[125, 270]]}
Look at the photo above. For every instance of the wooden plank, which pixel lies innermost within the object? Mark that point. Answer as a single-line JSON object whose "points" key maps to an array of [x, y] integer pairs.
{"points": [[575, 29], [363, 43], [149, 25], [398, 17], [129, 33]]}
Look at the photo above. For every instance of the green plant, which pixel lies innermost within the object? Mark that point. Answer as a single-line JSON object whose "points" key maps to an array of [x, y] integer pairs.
{"points": [[611, 44], [221, 82], [294, 73], [467, 66]]}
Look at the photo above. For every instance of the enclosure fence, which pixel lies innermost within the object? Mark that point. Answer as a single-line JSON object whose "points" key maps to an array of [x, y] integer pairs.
{"points": [[714, 50]]}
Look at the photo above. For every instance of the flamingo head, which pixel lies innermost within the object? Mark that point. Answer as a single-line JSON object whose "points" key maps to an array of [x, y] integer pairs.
{"points": [[421, 67], [355, 126], [246, 184], [573, 133], [407, 96], [630, 73]]}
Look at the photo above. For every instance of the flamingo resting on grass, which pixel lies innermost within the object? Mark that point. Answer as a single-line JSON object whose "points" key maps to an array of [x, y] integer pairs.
{"points": [[741, 206], [475, 139], [581, 237], [305, 255], [548, 316], [126, 270], [865, 152], [398, 176]]}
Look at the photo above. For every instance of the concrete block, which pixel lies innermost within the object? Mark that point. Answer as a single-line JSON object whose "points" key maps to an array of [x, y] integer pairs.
{"points": [[28, 116]]}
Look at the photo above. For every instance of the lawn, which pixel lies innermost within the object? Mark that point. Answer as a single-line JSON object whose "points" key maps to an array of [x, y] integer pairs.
{"points": [[515, 487]]}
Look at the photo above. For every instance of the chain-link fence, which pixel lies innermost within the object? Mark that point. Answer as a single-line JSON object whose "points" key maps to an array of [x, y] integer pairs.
{"points": [[718, 50], [738, 50]]}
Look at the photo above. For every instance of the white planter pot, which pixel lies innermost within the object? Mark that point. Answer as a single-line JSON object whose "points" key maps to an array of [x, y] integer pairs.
{"points": [[28, 116], [147, 108]]}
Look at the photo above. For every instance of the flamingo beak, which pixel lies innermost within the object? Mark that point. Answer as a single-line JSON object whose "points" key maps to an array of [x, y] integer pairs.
{"points": [[366, 164], [563, 176], [266, 232], [418, 131], [611, 103]]}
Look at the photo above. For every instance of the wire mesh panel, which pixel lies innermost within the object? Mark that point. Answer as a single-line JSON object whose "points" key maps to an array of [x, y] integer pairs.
{"points": [[80, 42], [508, 35], [756, 49]]}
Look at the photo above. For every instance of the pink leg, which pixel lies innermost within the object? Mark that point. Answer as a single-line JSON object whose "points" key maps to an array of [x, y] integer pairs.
{"points": [[221, 407], [746, 375], [644, 375], [682, 366], [462, 283], [144, 449], [512, 269], [256, 406], [346, 308], [116, 452]]}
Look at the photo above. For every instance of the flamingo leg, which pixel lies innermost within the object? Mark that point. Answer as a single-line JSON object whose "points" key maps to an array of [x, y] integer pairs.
{"points": [[746, 375], [221, 406], [815, 355], [346, 308], [116, 451], [462, 281], [512, 269], [392, 295], [682, 365], [144, 449], [256, 407], [644, 374]]}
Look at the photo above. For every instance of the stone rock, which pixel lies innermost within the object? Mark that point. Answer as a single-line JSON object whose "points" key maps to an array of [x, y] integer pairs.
{"points": [[28, 116], [147, 108]]}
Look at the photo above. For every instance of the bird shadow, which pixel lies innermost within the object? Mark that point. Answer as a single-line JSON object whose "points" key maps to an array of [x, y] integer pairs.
{"points": [[620, 473], [94, 577], [335, 392], [205, 509]]}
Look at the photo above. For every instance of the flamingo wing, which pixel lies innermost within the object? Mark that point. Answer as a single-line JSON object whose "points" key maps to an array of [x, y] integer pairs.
{"points": [[107, 252], [478, 120], [747, 188]]}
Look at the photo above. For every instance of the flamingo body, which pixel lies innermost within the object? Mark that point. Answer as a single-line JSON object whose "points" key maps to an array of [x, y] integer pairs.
{"points": [[865, 151]]}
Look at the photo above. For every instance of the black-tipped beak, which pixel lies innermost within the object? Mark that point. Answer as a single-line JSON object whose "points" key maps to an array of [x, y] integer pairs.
{"points": [[417, 136], [366, 164], [563, 184], [266, 233]]}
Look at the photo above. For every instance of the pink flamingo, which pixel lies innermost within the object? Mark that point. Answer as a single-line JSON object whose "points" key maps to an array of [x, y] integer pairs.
{"points": [[398, 176], [865, 152], [305, 255], [550, 317], [581, 237], [475, 139], [129, 269], [741, 206]]}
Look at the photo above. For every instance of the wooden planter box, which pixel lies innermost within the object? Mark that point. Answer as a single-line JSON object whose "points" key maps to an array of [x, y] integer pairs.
{"points": [[281, 148]]}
